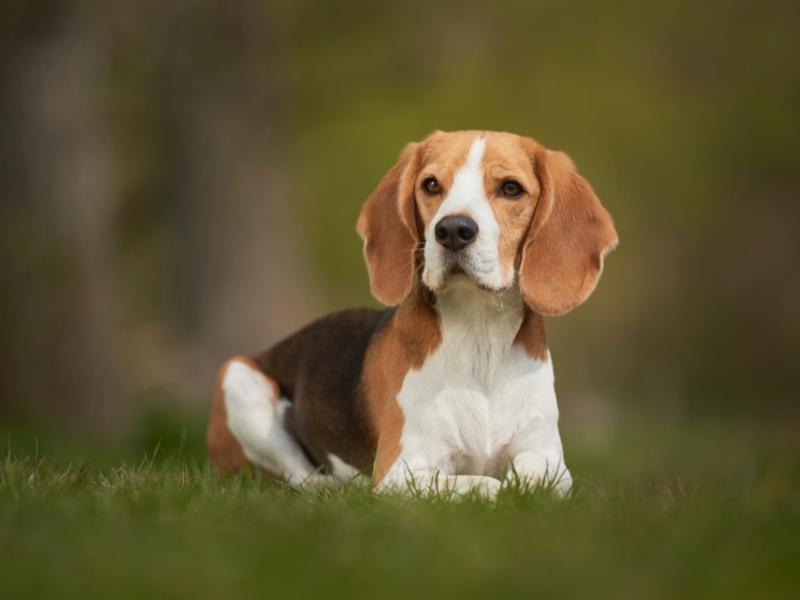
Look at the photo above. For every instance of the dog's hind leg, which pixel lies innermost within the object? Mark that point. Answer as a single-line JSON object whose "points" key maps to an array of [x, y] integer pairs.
{"points": [[255, 414]]}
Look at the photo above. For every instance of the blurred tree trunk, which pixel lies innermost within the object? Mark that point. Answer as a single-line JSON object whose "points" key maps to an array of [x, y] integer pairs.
{"points": [[240, 279], [62, 360], [139, 257]]}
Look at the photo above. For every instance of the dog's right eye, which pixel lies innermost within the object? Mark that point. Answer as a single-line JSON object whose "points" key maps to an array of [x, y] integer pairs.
{"points": [[511, 189], [431, 186]]}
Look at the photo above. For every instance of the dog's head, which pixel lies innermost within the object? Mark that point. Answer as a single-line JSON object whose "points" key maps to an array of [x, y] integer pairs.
{"points": [[494, 209]]}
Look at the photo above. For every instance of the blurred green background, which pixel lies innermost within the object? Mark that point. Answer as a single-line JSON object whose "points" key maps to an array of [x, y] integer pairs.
{"points": [[180, 182]]}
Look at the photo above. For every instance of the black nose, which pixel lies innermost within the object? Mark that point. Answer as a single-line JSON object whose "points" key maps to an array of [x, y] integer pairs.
{"points": [[456, 232]]}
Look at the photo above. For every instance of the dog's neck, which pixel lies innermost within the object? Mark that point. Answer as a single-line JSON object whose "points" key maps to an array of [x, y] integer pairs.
{"points": [[480, 330], [464, 307], [490, 322], [466, 317]]}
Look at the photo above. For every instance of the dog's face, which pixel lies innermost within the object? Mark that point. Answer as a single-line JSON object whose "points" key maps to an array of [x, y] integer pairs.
{"points": [[494, 209], [475, 196]]}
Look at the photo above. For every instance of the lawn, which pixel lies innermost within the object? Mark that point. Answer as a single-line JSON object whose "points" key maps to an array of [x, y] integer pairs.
{"points": [[669, 511]]}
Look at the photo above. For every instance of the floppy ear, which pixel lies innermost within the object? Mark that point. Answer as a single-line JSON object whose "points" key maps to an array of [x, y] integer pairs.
{"points": [[388, 226], [569, 236]]}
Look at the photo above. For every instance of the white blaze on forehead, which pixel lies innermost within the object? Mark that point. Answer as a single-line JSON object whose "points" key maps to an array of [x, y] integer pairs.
{"points": [[468, 182], [467, 196]]}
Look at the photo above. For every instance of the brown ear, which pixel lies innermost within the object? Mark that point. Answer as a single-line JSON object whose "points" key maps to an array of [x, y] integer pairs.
{"points": [[388, 226], [569, 236]]}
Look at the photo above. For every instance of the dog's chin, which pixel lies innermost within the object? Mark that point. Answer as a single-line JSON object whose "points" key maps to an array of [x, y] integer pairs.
{"points": [[457, 276]]}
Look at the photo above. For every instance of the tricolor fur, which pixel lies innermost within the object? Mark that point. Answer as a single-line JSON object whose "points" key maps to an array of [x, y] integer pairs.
{"points": [[453, 387]]}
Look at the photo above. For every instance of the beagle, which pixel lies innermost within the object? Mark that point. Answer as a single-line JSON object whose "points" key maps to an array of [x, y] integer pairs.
{"points": [[471, 238]]}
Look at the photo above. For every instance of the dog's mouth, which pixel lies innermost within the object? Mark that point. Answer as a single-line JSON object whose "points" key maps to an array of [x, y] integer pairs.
{"points": [[460, 272], [456, 269], [443, 270]]}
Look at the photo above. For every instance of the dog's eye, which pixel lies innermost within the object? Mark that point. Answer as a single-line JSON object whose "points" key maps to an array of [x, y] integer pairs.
{"points": [[431, 186], [511, 189]]}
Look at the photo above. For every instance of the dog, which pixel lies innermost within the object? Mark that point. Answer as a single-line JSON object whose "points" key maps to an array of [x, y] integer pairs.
{"points": [[470, 239]]}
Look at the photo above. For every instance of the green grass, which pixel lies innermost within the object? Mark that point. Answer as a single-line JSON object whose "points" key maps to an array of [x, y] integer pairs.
{"points": [[672, 511]]}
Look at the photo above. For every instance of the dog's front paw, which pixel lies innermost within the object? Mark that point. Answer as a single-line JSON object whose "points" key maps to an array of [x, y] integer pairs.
{"points": [[485, 487], [532, 471], [489, 488]]}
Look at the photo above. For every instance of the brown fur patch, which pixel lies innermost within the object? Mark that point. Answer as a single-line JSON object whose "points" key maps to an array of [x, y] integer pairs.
{"points": [[505, 159], [531, 336], [388, 225], [569, 235], [411, 336]]}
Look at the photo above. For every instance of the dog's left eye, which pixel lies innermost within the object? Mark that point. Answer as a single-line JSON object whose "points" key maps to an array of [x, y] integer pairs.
{"points": [[431, 185], [511, 189]]}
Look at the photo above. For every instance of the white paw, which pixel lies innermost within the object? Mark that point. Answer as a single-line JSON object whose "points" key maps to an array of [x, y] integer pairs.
{"points": [[489, 488], [485, 487], [563, 485], [531, 471]]}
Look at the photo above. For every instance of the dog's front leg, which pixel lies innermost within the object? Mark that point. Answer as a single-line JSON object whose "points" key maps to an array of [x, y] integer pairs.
{"points": [[535, 456]]}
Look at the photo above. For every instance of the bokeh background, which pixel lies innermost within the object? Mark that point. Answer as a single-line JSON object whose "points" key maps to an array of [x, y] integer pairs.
{"points": [[180, 182]]}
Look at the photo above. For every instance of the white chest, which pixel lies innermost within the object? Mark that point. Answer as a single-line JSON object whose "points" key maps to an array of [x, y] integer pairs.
{"points": [[478, 394]]}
